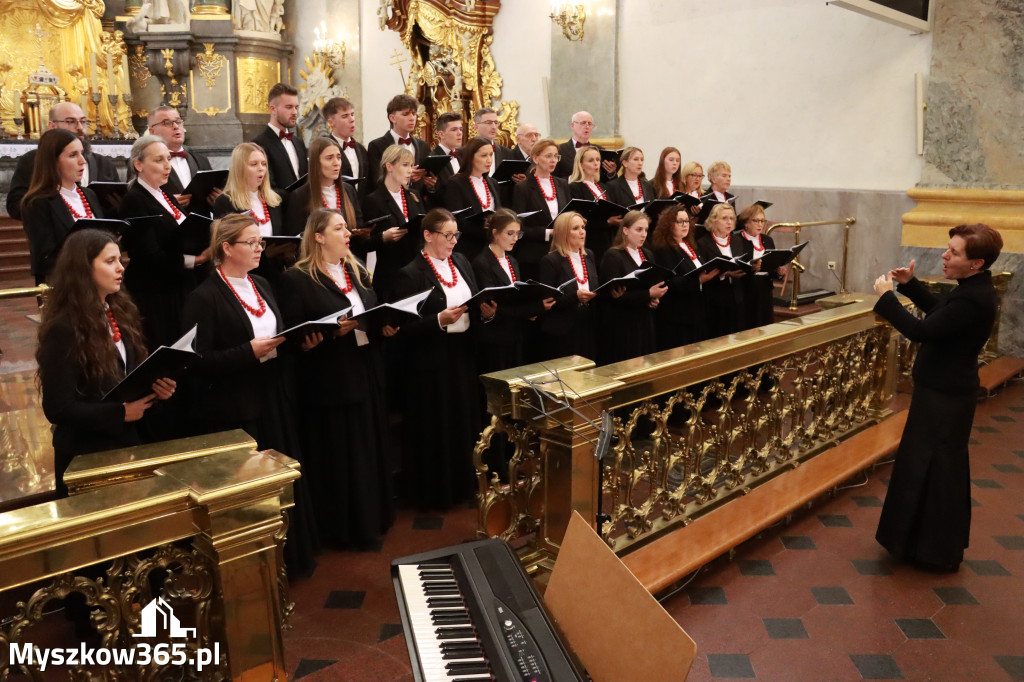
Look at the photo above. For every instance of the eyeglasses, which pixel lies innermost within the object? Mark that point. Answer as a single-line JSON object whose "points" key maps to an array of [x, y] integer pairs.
{"points": [[450, 236], [72, 122], [757, 221], [171, 123], [514, 236], [695, 175], [556, 157], [585, 124], [488, 123], [254, 244]]}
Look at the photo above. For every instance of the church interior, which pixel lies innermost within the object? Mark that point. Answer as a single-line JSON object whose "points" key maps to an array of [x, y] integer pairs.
{"points": [[731, 484]]}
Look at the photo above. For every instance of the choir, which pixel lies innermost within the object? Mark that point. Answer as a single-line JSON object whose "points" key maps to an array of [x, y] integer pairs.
{"points": [[300, 235]]}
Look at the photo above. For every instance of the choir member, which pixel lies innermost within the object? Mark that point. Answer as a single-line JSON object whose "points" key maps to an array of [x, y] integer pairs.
{"points": [[681, 317], [440, 422], [402, 116], [486, 121], [724, 293], [584, 183], [63, 116], [926, 518], [54, 201], [344, 418], [542, 192], [526, 137], [248, 190], [324, 188], [340, 115], [159, 273], [280, 140], [501, 341], [582, 125], [473, 188], [720, 177], [668, 179], [239, 382], [760, 291], [569, 327], [165, 122], [393, 244], [448, 128], [631, 187], [89, 340], [627, 316]]}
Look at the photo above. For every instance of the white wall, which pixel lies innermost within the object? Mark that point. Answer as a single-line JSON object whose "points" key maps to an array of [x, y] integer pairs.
{"points": [[792, 93], [522, 55], [380, 80]]}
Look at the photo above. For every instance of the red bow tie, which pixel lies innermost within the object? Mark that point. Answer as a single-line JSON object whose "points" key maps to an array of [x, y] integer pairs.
{"points": [[351, 144], [454, 153], [282, 135], [404, 140], [580, 144], [180, 154]]}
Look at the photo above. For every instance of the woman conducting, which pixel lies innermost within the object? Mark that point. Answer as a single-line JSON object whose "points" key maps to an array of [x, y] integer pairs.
{"points": [[54, 200], [926, 518], [569, 327], [681, 317], [341, 388], [89, 339]]}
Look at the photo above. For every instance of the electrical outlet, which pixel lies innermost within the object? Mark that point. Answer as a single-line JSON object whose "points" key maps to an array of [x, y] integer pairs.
{"points": [[831, 265]]}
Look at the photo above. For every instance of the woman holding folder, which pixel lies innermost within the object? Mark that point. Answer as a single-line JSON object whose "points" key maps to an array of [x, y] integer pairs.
{"points": [[472, 187], [724, 293], [239, 382], [54, 201], [159, 274], [441, 414], [630, 187], [392, 197], [627, 315], [584, 183], [570, 326], [760, 290], [681, 317], [343, 415], [668, 179], [542, 192], [324, 188], [89, 340]]}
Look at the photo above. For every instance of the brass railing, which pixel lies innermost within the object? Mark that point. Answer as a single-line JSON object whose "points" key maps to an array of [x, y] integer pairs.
{"points": [[693, 426], [197, 522], [797, 268]]}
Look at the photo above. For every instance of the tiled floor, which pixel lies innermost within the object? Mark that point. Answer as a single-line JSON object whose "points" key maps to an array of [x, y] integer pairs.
{"points": [[816, 599]]}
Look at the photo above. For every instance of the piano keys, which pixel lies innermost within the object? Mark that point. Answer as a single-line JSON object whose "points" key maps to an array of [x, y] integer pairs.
{"points": [[470, 614]]}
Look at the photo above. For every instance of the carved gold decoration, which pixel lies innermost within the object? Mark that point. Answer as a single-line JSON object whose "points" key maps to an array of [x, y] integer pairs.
{"points": [[255, 78], [138, 68], [570, 18], [318, 83], [179, 93], [939, 209], [210, 64], [451, 67]]}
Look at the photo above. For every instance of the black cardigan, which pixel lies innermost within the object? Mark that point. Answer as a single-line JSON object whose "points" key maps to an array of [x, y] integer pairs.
{"points": [[526, 197], [47, 222], [618, 191], [458, 194], [391, 256]]}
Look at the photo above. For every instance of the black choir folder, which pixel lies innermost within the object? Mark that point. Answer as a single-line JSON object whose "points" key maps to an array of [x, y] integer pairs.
{"points": [[325, 325], [393, 314], [205, 181], [166, 362], [587, 584], [776, 258], [509, 167], [517, 293]]}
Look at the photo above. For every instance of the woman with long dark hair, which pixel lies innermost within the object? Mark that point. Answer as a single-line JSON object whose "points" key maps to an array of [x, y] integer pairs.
{"points": [[681, 317], [472, 187], [54, 200], [344, 418], [926, 518], [324, 188], [89, 340], [668, 179]]}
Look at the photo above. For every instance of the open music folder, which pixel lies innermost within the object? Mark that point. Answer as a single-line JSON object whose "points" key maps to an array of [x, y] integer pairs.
{"points": [[168, 362]]}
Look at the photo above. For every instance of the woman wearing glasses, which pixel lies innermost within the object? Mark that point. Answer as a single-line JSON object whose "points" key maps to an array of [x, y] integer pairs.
{"points": [[343, 414], [239, 382], [441, 414], [759, 290], [681, 317], [543, 192], [54, 201], [160, 274], [569, 327]]}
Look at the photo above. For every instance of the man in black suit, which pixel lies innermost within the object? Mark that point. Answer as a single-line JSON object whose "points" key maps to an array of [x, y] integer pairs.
{"points": [[165, 122], [355, 163], [402, 113], [486, 121], [68, 116], [526, 136], [448, 129], [582, 125], [286, 153]]}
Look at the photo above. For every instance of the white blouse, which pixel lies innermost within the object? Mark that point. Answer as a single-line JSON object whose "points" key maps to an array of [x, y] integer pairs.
{"points": [[454, 296], [576, 258], [75, 200], [336, 271], [263, 326]]}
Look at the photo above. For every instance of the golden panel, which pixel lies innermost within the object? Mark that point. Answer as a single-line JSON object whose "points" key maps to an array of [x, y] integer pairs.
{"points": [[137, 66], [255, 78], [209, 64], [937, 210]]}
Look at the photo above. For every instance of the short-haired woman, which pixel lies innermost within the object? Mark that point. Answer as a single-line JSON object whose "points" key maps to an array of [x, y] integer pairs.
{"points": [[570, 326], [759, 303]]}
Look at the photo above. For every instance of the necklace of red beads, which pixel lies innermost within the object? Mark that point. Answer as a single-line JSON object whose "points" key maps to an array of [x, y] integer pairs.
{"points": [[639, 196], [554, 189], [455, 273], [511, 272], [74, 213], [174, 209], [484, 205], [583, 262], [257, 312], [640, 252], [760, 245], [337, 200], [592, 186], [722, 244], [405, 203], [689, 252], [115, 331], [266, 215], [348, 280]]}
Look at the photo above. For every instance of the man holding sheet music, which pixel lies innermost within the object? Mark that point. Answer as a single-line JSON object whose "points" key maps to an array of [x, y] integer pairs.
{"points": [[165, 122]]}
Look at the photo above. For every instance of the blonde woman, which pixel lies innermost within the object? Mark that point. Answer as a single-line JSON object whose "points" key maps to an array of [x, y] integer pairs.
{"points": [[569, 327]]}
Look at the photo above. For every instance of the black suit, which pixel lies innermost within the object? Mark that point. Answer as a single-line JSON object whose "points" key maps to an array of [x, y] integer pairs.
{"points": [[620, 193], [375, 151], [758, 297], [101, 168], [282, 175], [501, 341], [527, 197], [445, 174], [364, 186], [569, 328], [599, 233], [627, 322], [459, 193], [391, 256], [47, 222]]}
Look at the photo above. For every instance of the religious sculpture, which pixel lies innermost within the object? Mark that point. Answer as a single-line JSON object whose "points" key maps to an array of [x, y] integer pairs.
{"points": [[263, 16]]}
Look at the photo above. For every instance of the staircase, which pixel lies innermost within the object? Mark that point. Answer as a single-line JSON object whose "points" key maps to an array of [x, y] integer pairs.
{"points": [[15, 266]]}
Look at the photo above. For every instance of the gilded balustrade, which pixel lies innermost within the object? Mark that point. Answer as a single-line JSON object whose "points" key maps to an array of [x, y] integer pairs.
{"points": [[693, 427]]}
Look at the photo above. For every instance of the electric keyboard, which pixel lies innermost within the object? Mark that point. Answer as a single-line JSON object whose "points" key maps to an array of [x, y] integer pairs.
{"points": [[470, 614]]}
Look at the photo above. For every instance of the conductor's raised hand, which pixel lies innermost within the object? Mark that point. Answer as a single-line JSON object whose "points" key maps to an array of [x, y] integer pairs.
{"points": [[903, 275]]}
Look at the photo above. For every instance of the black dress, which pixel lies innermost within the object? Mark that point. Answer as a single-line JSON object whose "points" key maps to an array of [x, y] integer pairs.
{"points": [[926, 517], [599, 233], [460, 193], [156, 274], [627, 322], [392, 256], [759, 291], [501, 340], [343, 415], [528, 196], [275, 260], [569, 327], [440, 422], [229, 388], [723, 296], [47, 222], [681, 317]]}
